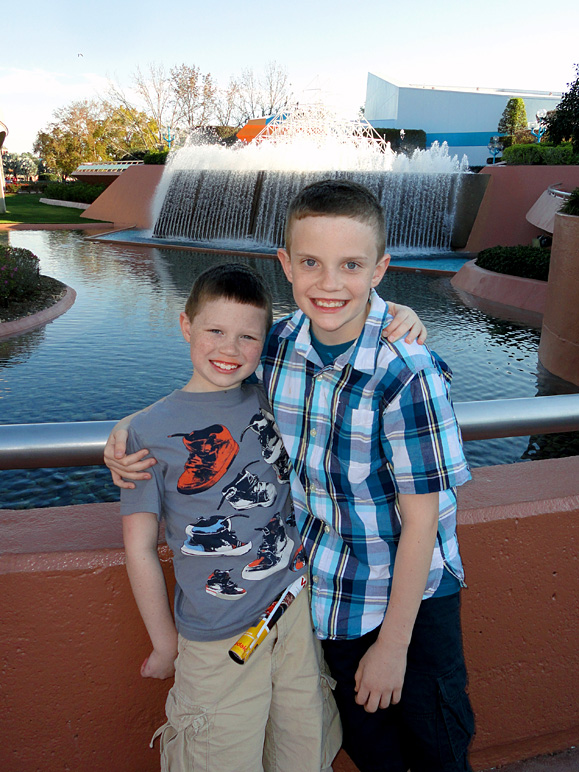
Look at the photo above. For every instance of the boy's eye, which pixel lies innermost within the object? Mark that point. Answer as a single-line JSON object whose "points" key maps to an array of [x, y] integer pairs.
{"points": [[351, 265], [249, 337], [216, 331], [310, 262]]}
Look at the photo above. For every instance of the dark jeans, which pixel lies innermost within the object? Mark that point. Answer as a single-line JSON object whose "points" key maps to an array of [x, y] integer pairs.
{"points": [[430, 729]]}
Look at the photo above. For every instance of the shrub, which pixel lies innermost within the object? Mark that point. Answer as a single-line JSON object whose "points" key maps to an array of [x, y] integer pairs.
{"points": [[156, 157], [540, 154], [80, 192], [571, 205], [19, 273], [413, 139], [528, 262]]}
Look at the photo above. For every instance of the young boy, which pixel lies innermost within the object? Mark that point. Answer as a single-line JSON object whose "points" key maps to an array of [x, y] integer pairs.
{"points": [[373, 440], [221, 488]]}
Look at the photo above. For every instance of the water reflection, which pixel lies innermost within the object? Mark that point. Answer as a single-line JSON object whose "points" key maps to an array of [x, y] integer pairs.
{"points": [[119, 348]]}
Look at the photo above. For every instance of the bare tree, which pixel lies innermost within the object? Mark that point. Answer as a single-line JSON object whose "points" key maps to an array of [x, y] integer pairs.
{"points": [[276, 88], [194, 95], [156, 90]]}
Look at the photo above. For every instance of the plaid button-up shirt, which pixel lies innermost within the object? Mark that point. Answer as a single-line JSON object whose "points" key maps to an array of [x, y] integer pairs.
{"points": [[375, 423]]}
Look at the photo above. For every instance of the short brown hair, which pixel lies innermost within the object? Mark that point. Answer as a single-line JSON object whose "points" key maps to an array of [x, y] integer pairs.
{"points": [[338, 198], [231, 281]]}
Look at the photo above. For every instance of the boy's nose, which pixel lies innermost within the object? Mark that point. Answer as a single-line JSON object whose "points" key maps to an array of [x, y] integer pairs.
{"points": [[229, 345], [329, 280]]}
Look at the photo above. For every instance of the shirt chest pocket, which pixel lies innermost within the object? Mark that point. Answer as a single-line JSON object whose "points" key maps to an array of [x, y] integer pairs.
{"points": [[357, 446]]}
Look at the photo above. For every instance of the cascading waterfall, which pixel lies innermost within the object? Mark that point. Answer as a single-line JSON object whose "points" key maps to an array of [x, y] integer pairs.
{"points": [[212, 194]]}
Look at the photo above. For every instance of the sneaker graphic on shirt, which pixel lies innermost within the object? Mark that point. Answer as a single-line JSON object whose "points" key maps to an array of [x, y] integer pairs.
{"points": [[273, 553], [263, 425], [220, 584], [211, 452], [210, 536], [247, 491], [282, 468], [299, 560]]}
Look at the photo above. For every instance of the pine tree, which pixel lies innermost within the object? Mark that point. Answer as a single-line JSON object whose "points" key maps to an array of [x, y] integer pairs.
{"points": [[514, 118]]}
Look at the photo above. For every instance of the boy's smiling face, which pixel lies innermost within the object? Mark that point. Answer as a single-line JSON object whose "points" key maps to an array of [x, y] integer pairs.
{"points": [[333, 264], [226, 339]]}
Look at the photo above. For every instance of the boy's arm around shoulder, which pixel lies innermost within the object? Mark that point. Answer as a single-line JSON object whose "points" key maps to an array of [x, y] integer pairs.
{"points": [[123, 467], [380, 675], [140, 534], [405, 322]]}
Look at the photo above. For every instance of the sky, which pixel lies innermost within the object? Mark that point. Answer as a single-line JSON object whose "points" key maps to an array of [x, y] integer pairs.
{"points": [[59, 52]]}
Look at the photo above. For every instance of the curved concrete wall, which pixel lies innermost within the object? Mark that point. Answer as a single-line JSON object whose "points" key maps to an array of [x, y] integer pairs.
{"points": [[516, 291], [559, 347], [72, 641]]}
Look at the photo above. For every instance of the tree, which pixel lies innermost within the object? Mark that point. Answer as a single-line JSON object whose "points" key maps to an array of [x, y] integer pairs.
{"points": [[514, 118], [156, 90], [250, 96], [20, 164], [77, 135], [194, 96], [563, 121]]}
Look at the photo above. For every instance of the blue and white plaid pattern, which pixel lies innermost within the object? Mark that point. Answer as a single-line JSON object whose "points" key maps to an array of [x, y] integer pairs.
{"points": [[377, 422]]}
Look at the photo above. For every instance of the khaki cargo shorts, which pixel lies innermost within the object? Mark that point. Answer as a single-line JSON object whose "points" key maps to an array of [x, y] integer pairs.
{"points": [[275, 713]]}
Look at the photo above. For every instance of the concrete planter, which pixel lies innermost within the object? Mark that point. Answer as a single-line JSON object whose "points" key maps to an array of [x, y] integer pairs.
{"points": [[559, 347]]}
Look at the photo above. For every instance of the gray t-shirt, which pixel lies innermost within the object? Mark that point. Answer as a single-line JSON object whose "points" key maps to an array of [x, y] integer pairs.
{"points": [[221, 484]]}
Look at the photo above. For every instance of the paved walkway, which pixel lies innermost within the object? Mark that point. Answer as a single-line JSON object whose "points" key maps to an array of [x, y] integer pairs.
{"points": [[566, 761]]}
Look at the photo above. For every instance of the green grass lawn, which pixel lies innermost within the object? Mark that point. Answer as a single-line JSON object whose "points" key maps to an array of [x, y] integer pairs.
{"points": [[26, 208]]}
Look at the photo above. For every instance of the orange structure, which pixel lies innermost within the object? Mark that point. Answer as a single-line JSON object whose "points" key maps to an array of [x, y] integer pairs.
{"points": [[252, 128]]}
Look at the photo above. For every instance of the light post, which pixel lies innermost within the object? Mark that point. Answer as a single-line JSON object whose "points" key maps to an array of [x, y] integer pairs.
{"points": [[539, 128], [495, 146], [168, 137]]}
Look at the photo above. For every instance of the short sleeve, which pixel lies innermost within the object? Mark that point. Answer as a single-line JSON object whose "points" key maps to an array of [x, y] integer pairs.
{"points": [[422, 438], [147, 495]]}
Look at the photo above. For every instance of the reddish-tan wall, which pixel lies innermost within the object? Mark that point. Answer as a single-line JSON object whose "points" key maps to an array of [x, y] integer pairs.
{"points": [[510, 194], [127, 202], [72, 641], [516, 291], [559, 347]]}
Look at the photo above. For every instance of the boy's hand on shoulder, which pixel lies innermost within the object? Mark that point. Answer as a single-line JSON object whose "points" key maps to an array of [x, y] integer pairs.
{"points": [[405, 322], [159, 665], [380, 675], [123, 467]]}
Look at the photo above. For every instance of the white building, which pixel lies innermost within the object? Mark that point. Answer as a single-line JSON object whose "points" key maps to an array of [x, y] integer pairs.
{"points": [[465, 118]]}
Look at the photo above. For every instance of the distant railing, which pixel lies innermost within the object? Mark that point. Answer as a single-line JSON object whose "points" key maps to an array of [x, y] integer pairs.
{"points": [[552, 190], [34, 446]]}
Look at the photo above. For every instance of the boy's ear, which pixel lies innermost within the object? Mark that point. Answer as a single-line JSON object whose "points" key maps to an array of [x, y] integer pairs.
{"points": [[286, 263], [380, 269], [185, 324]]}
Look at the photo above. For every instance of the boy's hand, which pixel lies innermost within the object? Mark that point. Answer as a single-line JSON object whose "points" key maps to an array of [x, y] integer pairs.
{"points": [[122, 466], [159, 665], [405, 322], [380, 675]]}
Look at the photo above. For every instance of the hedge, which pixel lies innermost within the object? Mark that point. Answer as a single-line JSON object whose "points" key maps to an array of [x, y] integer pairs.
{"points": [[413, 138], [539, 154], [19, 273], [156, 157], [81, 192], [528, 262]]}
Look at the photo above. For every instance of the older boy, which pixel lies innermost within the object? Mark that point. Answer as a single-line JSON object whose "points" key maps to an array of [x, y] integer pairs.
{"points": [[221, 488], [374, 443]]}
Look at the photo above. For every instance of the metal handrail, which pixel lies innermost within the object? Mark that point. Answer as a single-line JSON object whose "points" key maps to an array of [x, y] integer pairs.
{"points": [[552, 190], [34, 446]]}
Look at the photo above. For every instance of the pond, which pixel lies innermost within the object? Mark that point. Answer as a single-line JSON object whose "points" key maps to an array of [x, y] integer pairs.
{"points": [[119, 348]]}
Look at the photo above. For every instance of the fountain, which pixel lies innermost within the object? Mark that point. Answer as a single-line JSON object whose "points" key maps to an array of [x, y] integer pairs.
{"points": [[237, 197]]}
